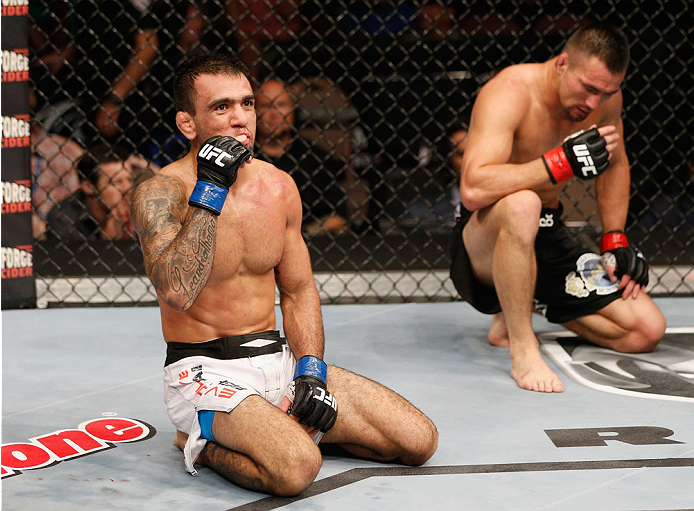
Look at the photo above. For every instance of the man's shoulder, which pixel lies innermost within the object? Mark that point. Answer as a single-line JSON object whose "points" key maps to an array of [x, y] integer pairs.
{"points": [[270, 172], [517, 78], [510, 91]]}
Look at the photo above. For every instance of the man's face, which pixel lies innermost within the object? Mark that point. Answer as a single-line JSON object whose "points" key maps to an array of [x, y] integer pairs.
{"points": [[275, 109], [225, 106], [585, 84], [115, 184]]}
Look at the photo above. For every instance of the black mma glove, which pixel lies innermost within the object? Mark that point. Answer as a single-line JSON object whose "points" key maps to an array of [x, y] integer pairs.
{"points": [[583, 154], [219, 160], [313, 404], [627, 260]]}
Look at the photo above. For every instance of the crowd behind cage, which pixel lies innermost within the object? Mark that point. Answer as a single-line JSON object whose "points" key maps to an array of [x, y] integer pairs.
{"points": [[365, 104]]}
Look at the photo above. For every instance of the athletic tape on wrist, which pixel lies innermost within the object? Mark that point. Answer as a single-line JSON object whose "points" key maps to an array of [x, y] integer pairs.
{"points": [[312, 366], [557, 165], [612, 240], [208, 196]]}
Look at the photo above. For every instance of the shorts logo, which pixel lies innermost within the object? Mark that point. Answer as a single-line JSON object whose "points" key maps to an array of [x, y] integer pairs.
{"points": [[547, 220], [583, 156], [209, 151], [666, 373], [589, 276]]}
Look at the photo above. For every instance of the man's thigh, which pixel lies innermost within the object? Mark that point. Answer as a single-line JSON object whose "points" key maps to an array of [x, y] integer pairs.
{"points": [[479, 240], [619, 317], [260, 430], [369, 414]]}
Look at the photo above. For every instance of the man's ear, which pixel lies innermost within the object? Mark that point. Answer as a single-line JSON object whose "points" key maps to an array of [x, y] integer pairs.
{"points": [[185, 123], [561, 63]]}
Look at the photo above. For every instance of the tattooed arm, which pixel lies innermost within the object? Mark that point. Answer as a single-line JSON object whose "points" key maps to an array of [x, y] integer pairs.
{"points": [[178, 242]]}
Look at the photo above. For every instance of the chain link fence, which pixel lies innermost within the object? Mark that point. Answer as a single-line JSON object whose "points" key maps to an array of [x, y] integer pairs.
{"points": [[378, 89]]}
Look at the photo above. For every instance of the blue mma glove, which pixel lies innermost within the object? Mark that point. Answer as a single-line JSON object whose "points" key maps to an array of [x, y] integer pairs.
{"points": [[313, 404]]}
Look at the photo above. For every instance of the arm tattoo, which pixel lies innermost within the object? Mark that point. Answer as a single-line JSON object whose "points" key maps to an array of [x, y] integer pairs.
{"points": [[188, 265], [178, 251]]}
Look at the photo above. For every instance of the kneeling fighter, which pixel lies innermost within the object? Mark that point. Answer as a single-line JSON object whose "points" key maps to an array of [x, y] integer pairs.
{"points": [[534, 127], [218, 230]]}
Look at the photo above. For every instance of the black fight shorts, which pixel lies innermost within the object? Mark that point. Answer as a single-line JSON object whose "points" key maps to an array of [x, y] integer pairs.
{"points": [[571, 282]]}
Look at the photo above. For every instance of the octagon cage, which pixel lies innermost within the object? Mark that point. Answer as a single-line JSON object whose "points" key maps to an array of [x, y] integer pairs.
{"points": [[380, 93]]}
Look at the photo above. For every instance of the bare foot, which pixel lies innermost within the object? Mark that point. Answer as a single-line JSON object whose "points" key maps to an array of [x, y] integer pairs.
{"points": [[498, 334], [532, 373], [180, 439]]}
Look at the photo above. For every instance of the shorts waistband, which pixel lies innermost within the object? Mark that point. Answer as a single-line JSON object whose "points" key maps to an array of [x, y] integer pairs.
{"points": [[227, 348]]}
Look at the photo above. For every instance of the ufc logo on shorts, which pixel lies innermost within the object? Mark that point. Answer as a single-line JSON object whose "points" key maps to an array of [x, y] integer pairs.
{"points": [[583, 155], [209, 152], [325, 397]]}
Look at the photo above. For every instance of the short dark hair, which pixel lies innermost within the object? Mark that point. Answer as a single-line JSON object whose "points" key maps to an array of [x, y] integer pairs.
{"points": [[604, 41], [96, 155], [205, 63]]}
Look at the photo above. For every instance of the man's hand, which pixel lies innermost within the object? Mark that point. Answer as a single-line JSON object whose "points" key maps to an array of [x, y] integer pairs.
{"points": [[623, 261], [584, 154], [313, 404], [219, 160]]}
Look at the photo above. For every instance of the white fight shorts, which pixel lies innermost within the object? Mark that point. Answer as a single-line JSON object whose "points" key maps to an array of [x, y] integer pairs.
{"points": [[217, 376]]}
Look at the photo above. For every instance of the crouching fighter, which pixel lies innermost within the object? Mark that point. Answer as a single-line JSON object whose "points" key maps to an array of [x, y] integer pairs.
{"points": [[218, 230], [534, 127]]}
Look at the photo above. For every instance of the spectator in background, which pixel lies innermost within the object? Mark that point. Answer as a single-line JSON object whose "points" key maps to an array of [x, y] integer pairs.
{"points": [[436, 20], [90, 57], [437, 180], [316, 174], [53, 53], [264, 30], [54, 171], [457, 140], [100, 208]]}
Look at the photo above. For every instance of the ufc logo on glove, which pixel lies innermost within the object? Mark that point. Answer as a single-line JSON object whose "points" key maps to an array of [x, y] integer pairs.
{"points": [[325, 397], [583, 156], [209, 152]]}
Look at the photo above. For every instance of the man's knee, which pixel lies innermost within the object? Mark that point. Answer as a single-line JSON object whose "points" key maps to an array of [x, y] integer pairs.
{"points": [[646, 335], [296, 471], [422, 445], [520, 214]]}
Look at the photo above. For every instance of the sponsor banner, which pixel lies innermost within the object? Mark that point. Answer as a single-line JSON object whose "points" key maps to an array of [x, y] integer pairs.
{"points": [[666, 373], [16, 131], [15, 65], [17, 269], [18, 285], [16, 262], [15, 8], [90, 437], [16, 197]]}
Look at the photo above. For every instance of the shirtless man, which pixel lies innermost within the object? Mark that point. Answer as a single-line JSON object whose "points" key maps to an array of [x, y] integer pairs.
{"points": [[218, 230], [514, 255]]}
